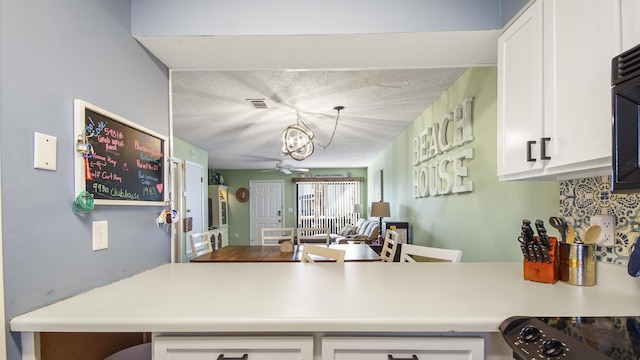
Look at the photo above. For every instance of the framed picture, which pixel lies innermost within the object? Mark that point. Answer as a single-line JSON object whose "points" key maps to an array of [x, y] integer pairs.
{"points": [[377, 186], [118, 161]]}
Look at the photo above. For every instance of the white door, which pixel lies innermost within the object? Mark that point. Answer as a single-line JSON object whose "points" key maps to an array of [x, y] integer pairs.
{"points": [[266, 207], [194, 200]]}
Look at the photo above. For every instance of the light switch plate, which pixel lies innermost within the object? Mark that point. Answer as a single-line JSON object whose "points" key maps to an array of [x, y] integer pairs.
{"points": [[44, 151], [100, 235]]}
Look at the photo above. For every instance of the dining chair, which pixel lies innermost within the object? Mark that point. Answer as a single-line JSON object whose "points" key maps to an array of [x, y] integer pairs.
{"points": [[309, 249], [313, 235], [273, 236], [429, 253], [389, 246], [200, 244]]}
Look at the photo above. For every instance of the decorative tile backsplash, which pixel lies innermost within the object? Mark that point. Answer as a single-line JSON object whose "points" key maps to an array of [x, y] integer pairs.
{"points": [[582, 198]]}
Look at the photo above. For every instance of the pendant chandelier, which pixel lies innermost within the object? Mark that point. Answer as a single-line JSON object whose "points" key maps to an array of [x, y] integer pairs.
{"points": [[297, 139]]}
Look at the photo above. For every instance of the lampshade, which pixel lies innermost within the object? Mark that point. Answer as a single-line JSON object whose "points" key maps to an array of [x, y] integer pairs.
{"points": [[380, 209], [357, 208]]}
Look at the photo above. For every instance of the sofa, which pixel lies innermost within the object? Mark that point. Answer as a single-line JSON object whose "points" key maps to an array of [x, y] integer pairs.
{"points": [[364, 230]]}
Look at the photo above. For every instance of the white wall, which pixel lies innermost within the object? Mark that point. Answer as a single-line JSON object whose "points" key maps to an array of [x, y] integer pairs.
{"points": [[50, 53]]}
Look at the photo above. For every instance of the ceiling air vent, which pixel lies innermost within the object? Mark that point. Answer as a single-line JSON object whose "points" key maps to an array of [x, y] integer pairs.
{"points": [[257, 103]]}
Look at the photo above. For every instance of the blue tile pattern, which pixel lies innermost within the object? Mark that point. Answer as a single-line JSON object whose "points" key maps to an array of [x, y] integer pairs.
{"points": [[582, 198]]}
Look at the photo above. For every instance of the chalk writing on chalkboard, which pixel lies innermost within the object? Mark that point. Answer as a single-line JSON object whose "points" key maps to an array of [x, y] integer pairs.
{"points": [[127, 164]]}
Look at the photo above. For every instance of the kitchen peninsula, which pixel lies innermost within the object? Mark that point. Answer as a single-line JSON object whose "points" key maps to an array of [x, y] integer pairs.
{"points": [[319, 303]]}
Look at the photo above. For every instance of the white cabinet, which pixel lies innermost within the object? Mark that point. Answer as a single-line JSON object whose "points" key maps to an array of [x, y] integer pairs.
{"points": [[219, 238], [301, 347], [218, 194], [380, 348], [520, 107], [554, 102], [232, 347]]}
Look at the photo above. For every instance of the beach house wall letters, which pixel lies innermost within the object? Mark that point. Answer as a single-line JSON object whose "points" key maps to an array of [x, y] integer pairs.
{"points": [[439, 165]]}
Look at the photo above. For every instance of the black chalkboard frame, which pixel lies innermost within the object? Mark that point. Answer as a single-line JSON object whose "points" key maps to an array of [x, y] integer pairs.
{"points": [[80, 110]]}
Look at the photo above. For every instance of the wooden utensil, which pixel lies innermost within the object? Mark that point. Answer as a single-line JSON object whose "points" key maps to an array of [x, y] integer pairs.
{"points": [[591, 234], [571, 234]]}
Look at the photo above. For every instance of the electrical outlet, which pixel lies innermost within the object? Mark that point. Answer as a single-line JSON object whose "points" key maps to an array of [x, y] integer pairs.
{"points": [[100, 235], [608, 227]]}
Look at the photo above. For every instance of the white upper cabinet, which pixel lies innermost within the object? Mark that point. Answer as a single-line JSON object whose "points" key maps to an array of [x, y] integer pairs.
{"points": [[520, 91], [554, 109]]}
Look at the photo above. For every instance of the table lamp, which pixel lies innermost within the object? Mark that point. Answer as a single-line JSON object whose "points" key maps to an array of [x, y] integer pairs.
{"points": [[380, 209], [357, 209]]}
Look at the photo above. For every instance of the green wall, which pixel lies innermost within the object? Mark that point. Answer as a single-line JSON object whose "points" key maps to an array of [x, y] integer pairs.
{"points": [[239, 231], [484, 223], [182, 150]]}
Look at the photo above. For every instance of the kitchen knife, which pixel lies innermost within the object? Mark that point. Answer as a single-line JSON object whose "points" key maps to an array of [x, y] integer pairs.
{"points": [[525, 253], [542, 233], [523, 247], [545, 254], [532, 254], [527, 230], [537, 253]]}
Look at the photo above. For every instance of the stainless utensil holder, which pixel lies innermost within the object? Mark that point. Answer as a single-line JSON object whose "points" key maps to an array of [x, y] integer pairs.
{"points": [[578, 264]]}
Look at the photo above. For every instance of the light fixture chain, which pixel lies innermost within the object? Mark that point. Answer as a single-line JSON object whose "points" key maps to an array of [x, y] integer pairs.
{"points": [[332, 134]]}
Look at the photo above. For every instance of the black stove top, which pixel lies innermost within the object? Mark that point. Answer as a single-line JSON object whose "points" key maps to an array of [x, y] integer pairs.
{"points": [[573, 337]]}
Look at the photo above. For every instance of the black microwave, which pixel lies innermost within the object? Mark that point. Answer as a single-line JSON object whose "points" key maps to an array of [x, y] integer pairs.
{"points": [[625, 99]]}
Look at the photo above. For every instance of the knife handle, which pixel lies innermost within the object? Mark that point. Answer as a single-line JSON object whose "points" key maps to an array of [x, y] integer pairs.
{"points": [[532, 255], [545, 254], [537, 253], [524, 252]]}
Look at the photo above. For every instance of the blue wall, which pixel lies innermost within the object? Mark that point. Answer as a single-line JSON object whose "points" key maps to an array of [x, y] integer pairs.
{"points": [[509, 9], [50, 53], [287, 17]]}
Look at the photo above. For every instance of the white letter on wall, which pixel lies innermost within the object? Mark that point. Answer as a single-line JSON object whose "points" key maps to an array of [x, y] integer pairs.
{"points": [[423, 182], [416, 151], [442, 134], [445, 178], [460, 171]]}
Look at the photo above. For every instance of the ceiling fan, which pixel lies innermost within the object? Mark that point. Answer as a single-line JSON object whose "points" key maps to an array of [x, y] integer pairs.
{"points": [[287, 169]]}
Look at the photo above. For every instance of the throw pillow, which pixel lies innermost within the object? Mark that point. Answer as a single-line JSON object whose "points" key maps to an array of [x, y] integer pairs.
{"points": [[345, 231]]}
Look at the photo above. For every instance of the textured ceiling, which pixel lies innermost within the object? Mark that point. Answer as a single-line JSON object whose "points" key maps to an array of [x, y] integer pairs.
{"points": [[384, 81], [210, 111]]}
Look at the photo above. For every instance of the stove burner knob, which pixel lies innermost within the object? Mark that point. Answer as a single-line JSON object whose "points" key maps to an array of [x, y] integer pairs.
{"points": [[530, 333], [552, 347]]}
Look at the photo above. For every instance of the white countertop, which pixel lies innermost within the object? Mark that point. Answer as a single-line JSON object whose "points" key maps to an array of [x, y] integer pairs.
{"points": [[349, 297]]}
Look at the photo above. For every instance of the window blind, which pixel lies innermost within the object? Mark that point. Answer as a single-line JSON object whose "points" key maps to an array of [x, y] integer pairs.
{"points": [[327, 204]]}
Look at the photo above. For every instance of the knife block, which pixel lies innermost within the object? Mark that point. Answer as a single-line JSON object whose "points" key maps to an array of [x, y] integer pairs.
{"points": [[542, 271]]}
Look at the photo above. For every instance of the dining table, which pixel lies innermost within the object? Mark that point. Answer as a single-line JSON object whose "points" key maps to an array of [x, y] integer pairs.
{"points": [[272, 253]]}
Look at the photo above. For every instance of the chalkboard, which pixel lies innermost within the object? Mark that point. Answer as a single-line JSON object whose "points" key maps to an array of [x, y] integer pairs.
{"points": [[123, 163]]}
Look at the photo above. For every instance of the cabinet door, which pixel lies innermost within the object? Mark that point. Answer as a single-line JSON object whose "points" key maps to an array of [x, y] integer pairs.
{"points": [[380, 348], [520, 107], [580, 38], [211, 347]]}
